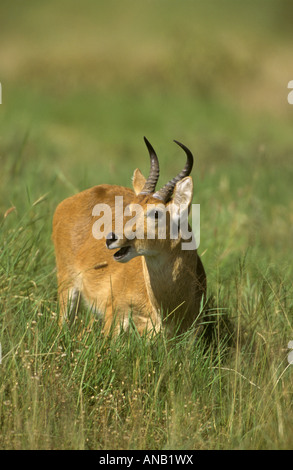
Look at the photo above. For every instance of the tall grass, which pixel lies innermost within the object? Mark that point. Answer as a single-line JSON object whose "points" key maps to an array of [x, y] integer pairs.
{"points": [[78, 389], [76, 102]]}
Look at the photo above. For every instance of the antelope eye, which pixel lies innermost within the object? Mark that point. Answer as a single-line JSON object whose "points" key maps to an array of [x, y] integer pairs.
{"points": [[155, 214]]}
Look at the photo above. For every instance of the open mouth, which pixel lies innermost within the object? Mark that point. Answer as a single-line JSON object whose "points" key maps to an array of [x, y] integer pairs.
{"points": [[120, 254]]}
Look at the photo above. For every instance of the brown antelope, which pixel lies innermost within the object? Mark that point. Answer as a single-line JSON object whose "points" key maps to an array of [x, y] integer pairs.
{"points": [[154, 280]]}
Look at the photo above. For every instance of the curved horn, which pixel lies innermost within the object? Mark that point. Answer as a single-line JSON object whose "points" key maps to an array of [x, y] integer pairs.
{"points": [[166, 192], [150, 184]]}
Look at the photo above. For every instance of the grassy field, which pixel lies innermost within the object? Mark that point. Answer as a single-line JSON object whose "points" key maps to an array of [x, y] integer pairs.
{"points": [[81, 86]]}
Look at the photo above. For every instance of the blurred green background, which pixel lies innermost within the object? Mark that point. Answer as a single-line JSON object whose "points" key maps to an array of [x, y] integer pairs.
{"points": [[82, 83]]}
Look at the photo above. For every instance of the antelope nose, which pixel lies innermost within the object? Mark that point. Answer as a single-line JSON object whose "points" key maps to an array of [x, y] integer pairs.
{"points": [[110, 238]]}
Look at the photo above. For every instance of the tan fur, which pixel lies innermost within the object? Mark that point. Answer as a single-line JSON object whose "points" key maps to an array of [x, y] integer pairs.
{"points": [[161, 289]]}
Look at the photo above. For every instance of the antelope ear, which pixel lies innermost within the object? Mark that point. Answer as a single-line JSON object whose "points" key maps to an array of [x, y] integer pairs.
{"points": [[138, 181], [183, 193]]}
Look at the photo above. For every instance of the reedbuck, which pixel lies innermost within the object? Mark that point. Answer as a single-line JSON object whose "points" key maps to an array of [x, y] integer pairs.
{"points": [[149, 277]]}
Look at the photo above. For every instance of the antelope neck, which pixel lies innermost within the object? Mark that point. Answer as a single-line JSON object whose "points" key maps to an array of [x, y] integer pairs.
{"points": [[167, 277]]}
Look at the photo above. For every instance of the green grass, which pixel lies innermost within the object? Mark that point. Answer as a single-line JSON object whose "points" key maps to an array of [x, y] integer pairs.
{"points": [[80, 89]]}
